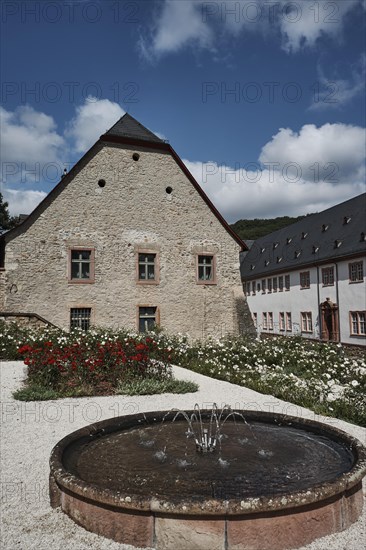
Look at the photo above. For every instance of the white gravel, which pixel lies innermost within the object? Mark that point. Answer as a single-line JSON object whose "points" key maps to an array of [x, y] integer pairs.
{"points": [[30, 430]]}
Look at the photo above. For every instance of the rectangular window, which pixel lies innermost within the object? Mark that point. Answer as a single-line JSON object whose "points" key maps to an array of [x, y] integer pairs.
{"points": [[81, 269], [282, 320], [253, 288], [255, 320], [280, 284], [274, 284], [288, 321], [305, 279], [147, 267], [328, 276], [263, 286], [269, 285], [205, 269], [264, 321], [147, 318], [80, 317], [355, 272], [270, 320], [306, 321], [358, 323], [287, 282], [248, 289]]}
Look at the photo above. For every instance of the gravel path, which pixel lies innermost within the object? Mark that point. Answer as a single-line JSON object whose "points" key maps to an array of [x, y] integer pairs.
{"points": [[30, 430]]}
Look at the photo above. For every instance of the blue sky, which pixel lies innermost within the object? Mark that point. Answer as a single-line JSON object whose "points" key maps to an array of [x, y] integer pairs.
{"points": [[263, 100]]}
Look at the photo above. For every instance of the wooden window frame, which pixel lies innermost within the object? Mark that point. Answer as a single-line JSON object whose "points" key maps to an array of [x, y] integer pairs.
{"points": [[157, 314], [358, 321], [355, 265], [156, 279], [91, 279], [213, 280], [326, 272], [288, 321], [304, 278], [306, 322], [281, 321]]}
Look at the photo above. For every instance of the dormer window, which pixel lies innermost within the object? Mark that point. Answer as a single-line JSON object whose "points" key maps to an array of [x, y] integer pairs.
{"points": [[297, 253], [288, 240], [252, 266], [324, 227], [315, 249], [304, 235], [346, 220], [337, 244], [279, 259], [262, 250], [275, 245], [266, 262]]}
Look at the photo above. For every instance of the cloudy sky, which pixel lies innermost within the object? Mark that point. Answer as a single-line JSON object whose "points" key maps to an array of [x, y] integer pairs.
{"points": [[263, 100]]}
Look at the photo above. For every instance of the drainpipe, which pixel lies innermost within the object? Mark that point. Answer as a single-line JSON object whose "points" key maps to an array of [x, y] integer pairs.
{"points": [[337, 295], [318, 299]]}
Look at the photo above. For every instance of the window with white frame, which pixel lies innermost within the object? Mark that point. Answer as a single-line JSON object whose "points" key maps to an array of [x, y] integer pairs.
{"points": [[358, 323], [287, 282], [147, 318], [282, 320], [253, 288], [255, 319], [305, 279], [248, 289], [147, 267], [288, 321], [306, 321], [274, 284], [81, 265], [355, 272], [270, 320], [328, 276], [263, 286], [280, 283], [205, 268], [80, 317], [264, 321], [269, 285]]}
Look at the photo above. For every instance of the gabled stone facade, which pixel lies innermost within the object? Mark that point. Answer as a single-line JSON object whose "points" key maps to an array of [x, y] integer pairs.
{"points": [[128, 195]]}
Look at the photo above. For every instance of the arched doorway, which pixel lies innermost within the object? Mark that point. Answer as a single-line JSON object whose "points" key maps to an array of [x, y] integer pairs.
{"points": [[329, 321]]}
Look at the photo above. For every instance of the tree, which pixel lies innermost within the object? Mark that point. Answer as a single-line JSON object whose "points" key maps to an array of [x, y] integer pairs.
{"points": [[6, 221]]}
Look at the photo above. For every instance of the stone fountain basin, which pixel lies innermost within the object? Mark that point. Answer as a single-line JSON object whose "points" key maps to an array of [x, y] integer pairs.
{"points": [[266, 521]]}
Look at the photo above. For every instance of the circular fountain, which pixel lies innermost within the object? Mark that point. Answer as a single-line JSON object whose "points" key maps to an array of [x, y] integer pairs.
{"points": [[226, 479]]}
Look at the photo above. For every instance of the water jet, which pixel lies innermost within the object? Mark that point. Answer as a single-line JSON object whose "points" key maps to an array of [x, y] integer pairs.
{"points": [[233, 480]]}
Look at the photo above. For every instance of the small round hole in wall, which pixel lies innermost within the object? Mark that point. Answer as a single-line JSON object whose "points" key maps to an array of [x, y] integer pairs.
{"points": [[169, 190], [136, 156], [101, 183]]}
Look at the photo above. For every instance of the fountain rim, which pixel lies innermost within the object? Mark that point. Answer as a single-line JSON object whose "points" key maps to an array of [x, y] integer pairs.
{"points": [[208, 507]]}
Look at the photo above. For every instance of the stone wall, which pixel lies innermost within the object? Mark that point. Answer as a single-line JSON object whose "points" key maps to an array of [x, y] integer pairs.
{"points": [[131, 212]]}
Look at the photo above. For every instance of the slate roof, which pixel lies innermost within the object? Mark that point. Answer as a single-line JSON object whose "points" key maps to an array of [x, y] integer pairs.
{"points": [[129, 127], [327, 236]]}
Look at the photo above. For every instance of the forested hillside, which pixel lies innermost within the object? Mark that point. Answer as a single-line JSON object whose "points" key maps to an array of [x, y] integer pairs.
{"points": [[253, 229]]}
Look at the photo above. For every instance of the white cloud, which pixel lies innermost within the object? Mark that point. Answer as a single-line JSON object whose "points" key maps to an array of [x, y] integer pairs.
{"points": [[34, 153], [22, 201], [335, 92], [277, 189], [30, 132], [300, 24], [92, 120], [178, 24]]}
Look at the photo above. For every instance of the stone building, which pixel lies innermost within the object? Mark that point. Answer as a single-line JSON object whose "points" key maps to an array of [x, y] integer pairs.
{"points": [[310, 278], [126, 239]]}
